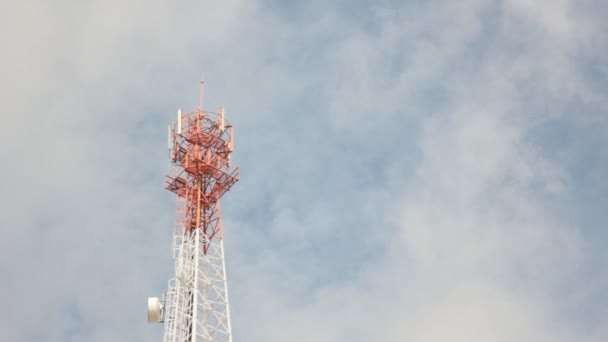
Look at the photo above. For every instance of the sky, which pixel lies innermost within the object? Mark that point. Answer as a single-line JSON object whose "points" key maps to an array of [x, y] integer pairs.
{"points": [[410, 170]]}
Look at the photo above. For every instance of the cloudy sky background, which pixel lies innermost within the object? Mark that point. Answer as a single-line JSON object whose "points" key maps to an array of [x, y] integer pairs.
{"points": [[410, 171]]}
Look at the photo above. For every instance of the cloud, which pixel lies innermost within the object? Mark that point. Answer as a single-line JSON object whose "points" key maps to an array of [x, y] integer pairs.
{"points": [[404, 171]]}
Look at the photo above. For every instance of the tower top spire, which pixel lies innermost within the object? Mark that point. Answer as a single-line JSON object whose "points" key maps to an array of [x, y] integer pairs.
{"points": [[201, 93]]}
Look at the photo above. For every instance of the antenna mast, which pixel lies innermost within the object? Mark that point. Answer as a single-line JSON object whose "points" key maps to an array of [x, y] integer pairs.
{"points": [[195, 306]]}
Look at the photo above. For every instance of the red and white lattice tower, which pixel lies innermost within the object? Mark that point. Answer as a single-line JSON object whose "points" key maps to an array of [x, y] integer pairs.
{"points": [[195, 306]]}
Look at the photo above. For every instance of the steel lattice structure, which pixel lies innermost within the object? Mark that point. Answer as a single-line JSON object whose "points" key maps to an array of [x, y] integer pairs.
{"points": [[195, 306]]}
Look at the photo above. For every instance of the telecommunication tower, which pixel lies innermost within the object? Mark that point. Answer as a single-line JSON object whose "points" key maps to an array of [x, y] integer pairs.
{"points": [[195, 305]]}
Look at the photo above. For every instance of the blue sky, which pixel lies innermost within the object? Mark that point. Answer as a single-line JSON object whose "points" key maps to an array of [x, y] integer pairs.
{"points": [[410, 171]]}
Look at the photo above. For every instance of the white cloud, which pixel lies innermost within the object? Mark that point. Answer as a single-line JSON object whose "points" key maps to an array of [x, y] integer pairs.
{"points": [[390, 189]]}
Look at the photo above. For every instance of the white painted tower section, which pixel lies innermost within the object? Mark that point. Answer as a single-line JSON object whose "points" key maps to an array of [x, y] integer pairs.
{"points": [[196, 303]]}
